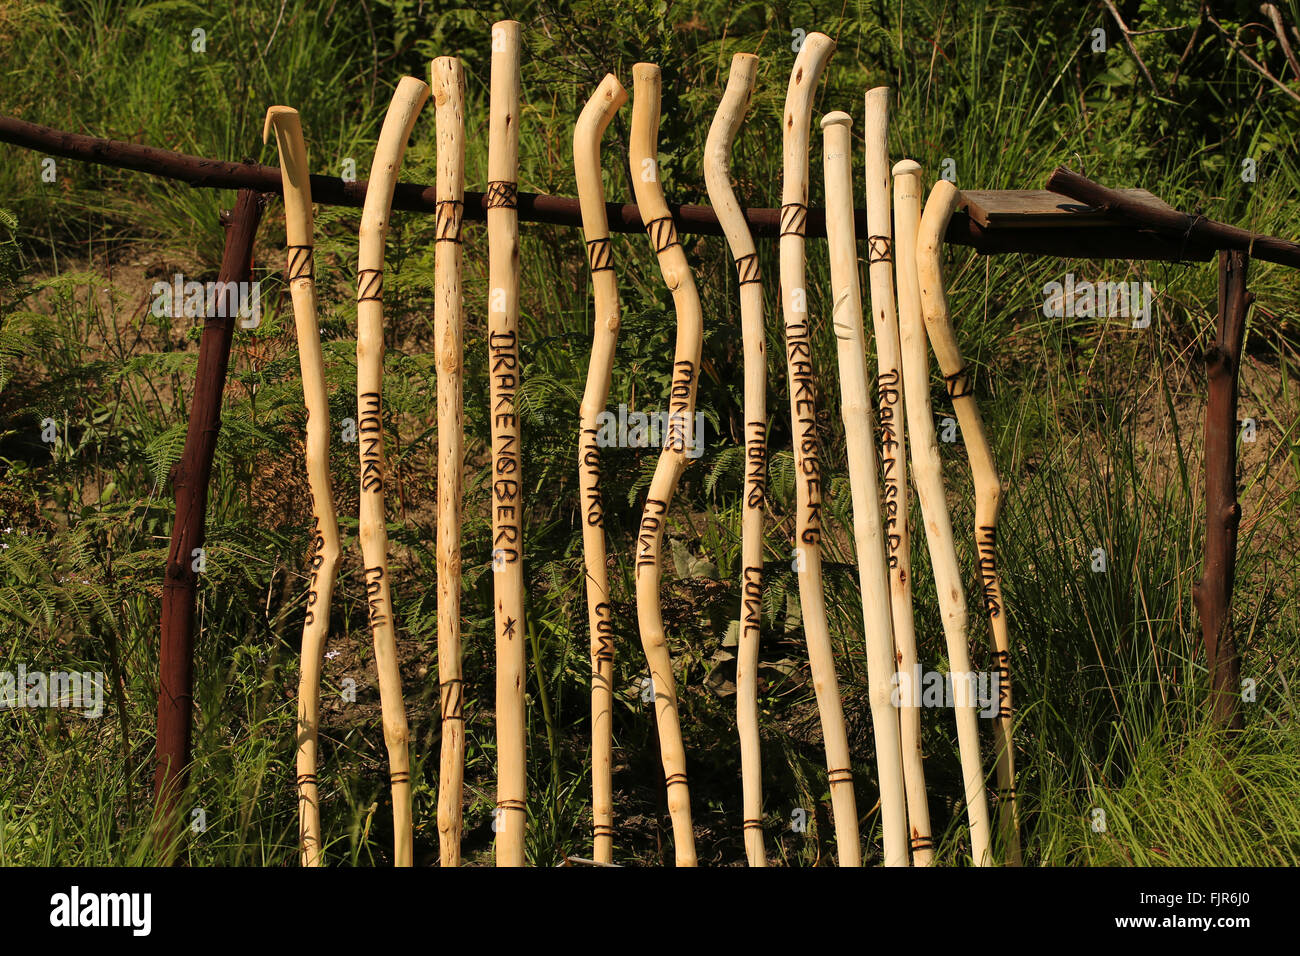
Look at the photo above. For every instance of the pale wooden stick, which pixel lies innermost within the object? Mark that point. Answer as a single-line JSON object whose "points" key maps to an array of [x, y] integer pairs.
{"points": [[643, 152], [507, 488], [717, 176], [893, 456], [928, 474], [595, 119], [299, 231], [808, 65], [449, 328], [988, 486], [868, 530], [408, 100]]}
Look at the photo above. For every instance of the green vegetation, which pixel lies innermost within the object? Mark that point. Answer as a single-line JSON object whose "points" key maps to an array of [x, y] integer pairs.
{"points": [[1097, 429]]}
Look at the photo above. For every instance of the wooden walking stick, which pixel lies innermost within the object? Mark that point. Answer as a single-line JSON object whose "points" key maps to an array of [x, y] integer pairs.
{"points": [[299, 231], [643, 150], [868, 530], [449, 327], [717, 176], [408, 100], [595, 119], [507, 498], [893, 458], [928, 475], [808, 65], [988, 486]]}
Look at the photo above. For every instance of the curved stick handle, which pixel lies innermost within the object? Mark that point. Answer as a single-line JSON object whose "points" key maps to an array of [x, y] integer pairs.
{"points": [[717, 176], [928, 474], [407, 101], [507, 488], [868, 529], [595, 119], [448, 80], [893, 456], [808, 66], [643, 150], [988, 486], [325, 527]]}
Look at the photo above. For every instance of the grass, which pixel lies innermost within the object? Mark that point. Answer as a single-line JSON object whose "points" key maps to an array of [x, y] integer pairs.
{"points": [[1096, 429]]}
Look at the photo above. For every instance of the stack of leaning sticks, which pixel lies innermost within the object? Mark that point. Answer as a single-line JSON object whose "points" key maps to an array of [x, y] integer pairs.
{"points": [[908, 303]]}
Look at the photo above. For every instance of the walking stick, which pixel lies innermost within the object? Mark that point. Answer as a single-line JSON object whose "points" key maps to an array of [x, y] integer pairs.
{"points": [[868, 531], [643, 150], [595, 119], [808, 65], [893, 455], [408, 99], [298, 227], [928, 475], [988, 486], [449, 326], [507, 502], [717, 175]]}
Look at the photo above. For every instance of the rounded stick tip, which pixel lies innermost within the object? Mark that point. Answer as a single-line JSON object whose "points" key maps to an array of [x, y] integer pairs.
{"points": [[837, 118], [272, 114], [943, 191], [907, 167], [612, 90]]}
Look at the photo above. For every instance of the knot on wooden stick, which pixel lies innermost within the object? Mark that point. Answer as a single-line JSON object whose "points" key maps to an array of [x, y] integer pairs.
{"points": [[449, 214]]}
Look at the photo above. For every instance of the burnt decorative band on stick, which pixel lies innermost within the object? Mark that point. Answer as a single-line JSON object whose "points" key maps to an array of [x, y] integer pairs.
{"points": [[717, 176], [928, 474], [868, 529], [505, 379], [747, 270], [893, 465], [879, 249], [794, 217], [797, 120], [958, 383], [643, 150], [663, 234], [299, 230], [301, 264], [587, 133], [408, 100], [600, 256], [370, 285], [448, 82], [988, 485], [501, 194]]}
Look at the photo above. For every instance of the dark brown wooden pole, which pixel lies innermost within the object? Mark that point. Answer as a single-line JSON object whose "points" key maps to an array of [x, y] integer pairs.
{"points": [[1096, 242], [1171, 222], [190, 484], [1213, 592]]}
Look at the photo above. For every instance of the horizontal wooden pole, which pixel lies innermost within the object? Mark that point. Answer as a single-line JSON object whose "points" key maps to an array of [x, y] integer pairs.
{"points": [[1171, 222], [1093, 243]]}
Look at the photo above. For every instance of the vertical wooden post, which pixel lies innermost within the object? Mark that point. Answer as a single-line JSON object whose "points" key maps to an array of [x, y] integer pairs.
{"points": [[1213, 592], [190, 484]]}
